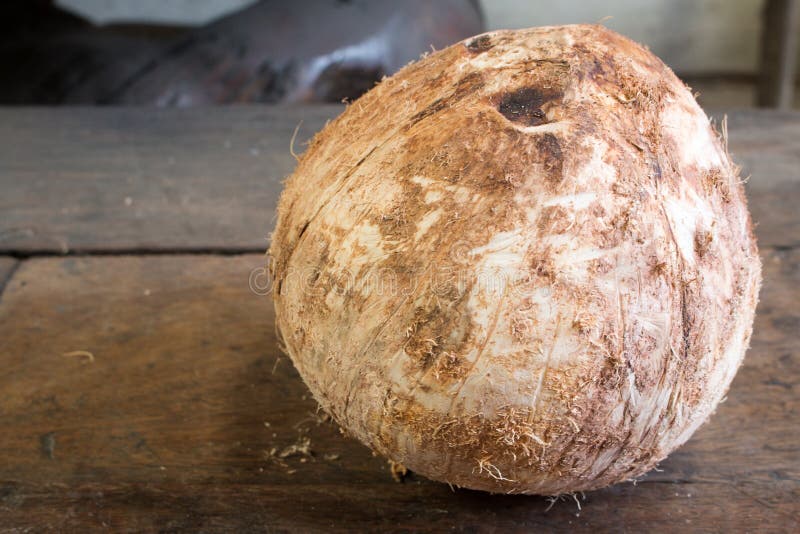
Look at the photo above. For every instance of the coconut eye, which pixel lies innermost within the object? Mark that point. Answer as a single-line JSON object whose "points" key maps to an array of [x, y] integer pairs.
{"points": [[525, 105], [479, 44]]}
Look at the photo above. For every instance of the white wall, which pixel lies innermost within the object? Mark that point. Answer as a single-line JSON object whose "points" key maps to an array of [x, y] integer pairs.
{"points": [[692, 36]]}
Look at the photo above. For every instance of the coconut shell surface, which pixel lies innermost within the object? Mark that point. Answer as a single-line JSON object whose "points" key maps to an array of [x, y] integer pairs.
{"points": [[522, 264]]}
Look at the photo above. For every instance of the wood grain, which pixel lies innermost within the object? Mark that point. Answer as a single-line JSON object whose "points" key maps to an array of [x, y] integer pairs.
{"points": [[7, 266], [111, 180], [170, 423], [767, 146], [95, 179]]}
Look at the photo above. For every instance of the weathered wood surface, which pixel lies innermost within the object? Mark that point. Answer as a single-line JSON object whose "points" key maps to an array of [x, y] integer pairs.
{"points": [[767, 146], [92, 180], [165, 426], [86, 179], [180, 416]]}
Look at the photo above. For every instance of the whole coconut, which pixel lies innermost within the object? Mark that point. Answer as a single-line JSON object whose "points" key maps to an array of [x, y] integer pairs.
{"points": [[522, 264]]}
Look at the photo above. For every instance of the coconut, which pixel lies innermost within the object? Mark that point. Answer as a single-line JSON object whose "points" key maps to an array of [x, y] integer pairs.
{"points": [[522, 264]]}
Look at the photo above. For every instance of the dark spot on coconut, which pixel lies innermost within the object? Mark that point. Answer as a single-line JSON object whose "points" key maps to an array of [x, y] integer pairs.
{"points": [[437, 335], [655, 171], [603, 69], [714, 180], [299, 335], [435, 107], [553, 220], [449, 365], [399, 222], [686, 322], [424, 340], [597, 210], [316, 272], [480, 44], [465, 86], [303, 229], [524, 106], [596, 71], [702, 242], [543, 265], [552, 157]]}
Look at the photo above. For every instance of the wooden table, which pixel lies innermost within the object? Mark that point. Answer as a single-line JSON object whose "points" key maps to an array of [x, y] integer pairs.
{"points": [[142, 387]]}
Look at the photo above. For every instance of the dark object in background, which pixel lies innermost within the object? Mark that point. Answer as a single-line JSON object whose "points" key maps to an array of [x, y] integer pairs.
{"points": [[779, 28], [273, 51]]}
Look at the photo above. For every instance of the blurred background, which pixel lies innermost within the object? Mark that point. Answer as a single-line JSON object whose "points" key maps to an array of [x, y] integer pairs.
{"points": [[181, 53]]}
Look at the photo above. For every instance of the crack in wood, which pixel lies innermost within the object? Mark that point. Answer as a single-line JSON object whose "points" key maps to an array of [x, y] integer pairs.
{"points": [[6, 279]]}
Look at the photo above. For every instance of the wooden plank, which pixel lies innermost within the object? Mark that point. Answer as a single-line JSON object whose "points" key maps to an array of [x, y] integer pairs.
{"points": [[767, 146], [99, 179], [164, 427], [778, 67], [106, 179]]}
